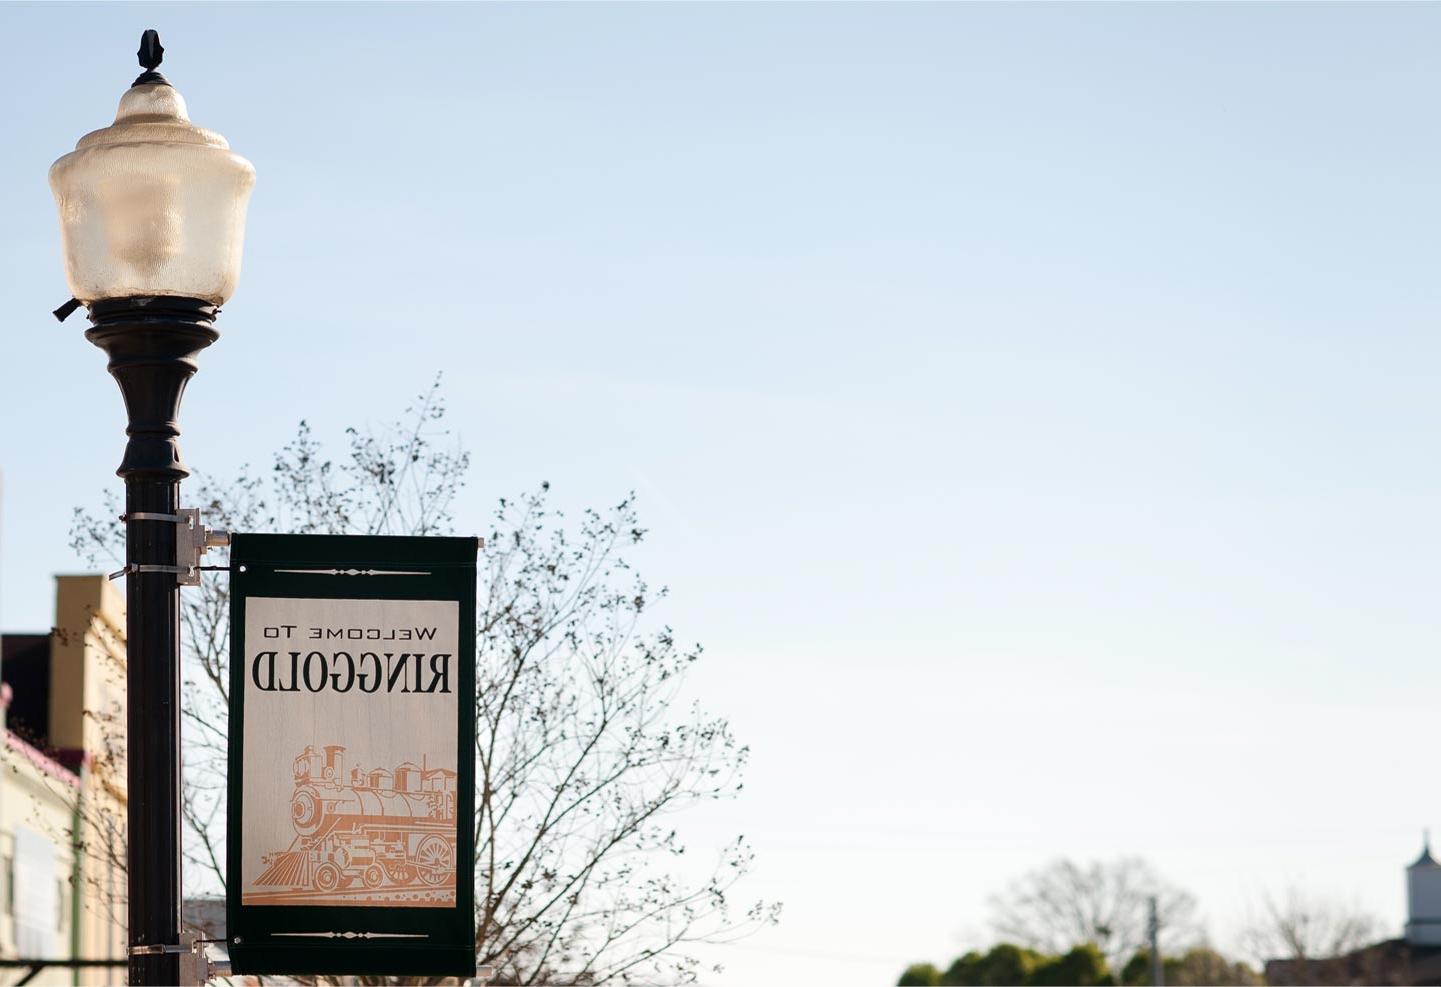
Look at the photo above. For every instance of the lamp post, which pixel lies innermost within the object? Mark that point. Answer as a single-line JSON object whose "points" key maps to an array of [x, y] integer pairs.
{"points": [[152, 218]]}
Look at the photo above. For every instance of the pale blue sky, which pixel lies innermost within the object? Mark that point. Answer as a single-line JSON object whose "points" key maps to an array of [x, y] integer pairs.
{"points": [[1034, 407]]}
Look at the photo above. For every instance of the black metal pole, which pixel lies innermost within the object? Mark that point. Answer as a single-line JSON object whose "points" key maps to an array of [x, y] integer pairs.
{"points": [[153, 344]]}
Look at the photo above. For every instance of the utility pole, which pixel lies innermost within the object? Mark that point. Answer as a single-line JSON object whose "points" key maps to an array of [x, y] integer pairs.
{"points": [[1153, 931]]}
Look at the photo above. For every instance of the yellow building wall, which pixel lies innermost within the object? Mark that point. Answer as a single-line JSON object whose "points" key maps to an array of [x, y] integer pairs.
{"points": [[87, 663]]}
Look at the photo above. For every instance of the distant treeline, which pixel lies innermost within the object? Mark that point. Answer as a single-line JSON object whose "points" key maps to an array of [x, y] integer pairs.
{"points": [[1008, 965]]}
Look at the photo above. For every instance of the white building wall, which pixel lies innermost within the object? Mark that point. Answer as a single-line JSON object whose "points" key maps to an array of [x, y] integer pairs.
{"points": [[1423, 903], [36, 815]]}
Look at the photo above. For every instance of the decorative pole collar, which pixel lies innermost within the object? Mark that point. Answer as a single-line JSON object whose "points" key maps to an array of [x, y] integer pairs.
{"points": [[151, 54]]}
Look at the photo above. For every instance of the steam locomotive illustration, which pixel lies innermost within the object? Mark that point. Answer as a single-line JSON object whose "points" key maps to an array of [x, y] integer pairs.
{"points": [[366, 831]]}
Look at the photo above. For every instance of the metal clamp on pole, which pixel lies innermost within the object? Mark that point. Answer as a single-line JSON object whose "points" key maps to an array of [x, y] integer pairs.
{"points": [[136, 567], [159, 950], [192, 540]]}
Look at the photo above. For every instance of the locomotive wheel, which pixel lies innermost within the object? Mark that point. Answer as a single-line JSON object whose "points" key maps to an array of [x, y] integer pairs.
{"points": [[327, 877], [433, 859], [402, 873], [373, 877]]}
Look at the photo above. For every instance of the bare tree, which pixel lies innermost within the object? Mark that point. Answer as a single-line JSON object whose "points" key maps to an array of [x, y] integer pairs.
{"points": [[1105, 903], [583, 757], [1317, 940]]}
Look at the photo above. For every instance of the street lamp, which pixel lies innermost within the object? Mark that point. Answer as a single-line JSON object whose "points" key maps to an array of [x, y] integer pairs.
{"points": [[152, 218]]}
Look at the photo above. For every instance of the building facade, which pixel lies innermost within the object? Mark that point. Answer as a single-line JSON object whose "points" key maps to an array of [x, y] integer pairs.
{"points": [[1415, 958], [62, 786]]}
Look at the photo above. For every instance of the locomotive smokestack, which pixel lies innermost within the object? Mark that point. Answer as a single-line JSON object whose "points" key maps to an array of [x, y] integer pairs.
{"points": [[335, 763]]}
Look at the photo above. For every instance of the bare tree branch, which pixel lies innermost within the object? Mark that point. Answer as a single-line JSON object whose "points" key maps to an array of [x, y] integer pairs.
{"points": [[581, 753], [1065, 904]]}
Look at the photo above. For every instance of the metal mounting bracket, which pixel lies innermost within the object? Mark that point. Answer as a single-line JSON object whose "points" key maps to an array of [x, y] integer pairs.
{"points": [[192, 540], [161, 950]]}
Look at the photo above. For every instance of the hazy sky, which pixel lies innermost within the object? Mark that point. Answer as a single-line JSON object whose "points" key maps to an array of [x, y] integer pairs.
{"points": [[1034, 407]]}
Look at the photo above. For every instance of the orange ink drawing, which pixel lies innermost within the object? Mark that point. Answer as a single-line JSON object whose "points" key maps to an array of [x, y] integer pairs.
{"points": [[377, 838]]}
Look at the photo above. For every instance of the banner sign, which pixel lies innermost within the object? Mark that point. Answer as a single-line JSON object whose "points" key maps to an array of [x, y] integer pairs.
{"points": [[350, 846]]}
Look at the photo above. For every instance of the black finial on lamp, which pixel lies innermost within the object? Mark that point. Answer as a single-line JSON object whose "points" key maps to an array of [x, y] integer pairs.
{"points": [[151, 54]]}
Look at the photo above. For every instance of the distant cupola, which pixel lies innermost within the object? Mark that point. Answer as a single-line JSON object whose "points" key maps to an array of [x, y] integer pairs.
{"points": [[1423, 898]]}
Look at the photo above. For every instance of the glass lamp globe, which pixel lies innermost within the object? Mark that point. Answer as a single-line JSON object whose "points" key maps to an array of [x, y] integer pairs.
{"points": [[152, 205]]}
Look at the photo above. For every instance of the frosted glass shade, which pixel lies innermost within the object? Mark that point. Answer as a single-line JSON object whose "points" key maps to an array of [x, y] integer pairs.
{"points": [[152, 205]]}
